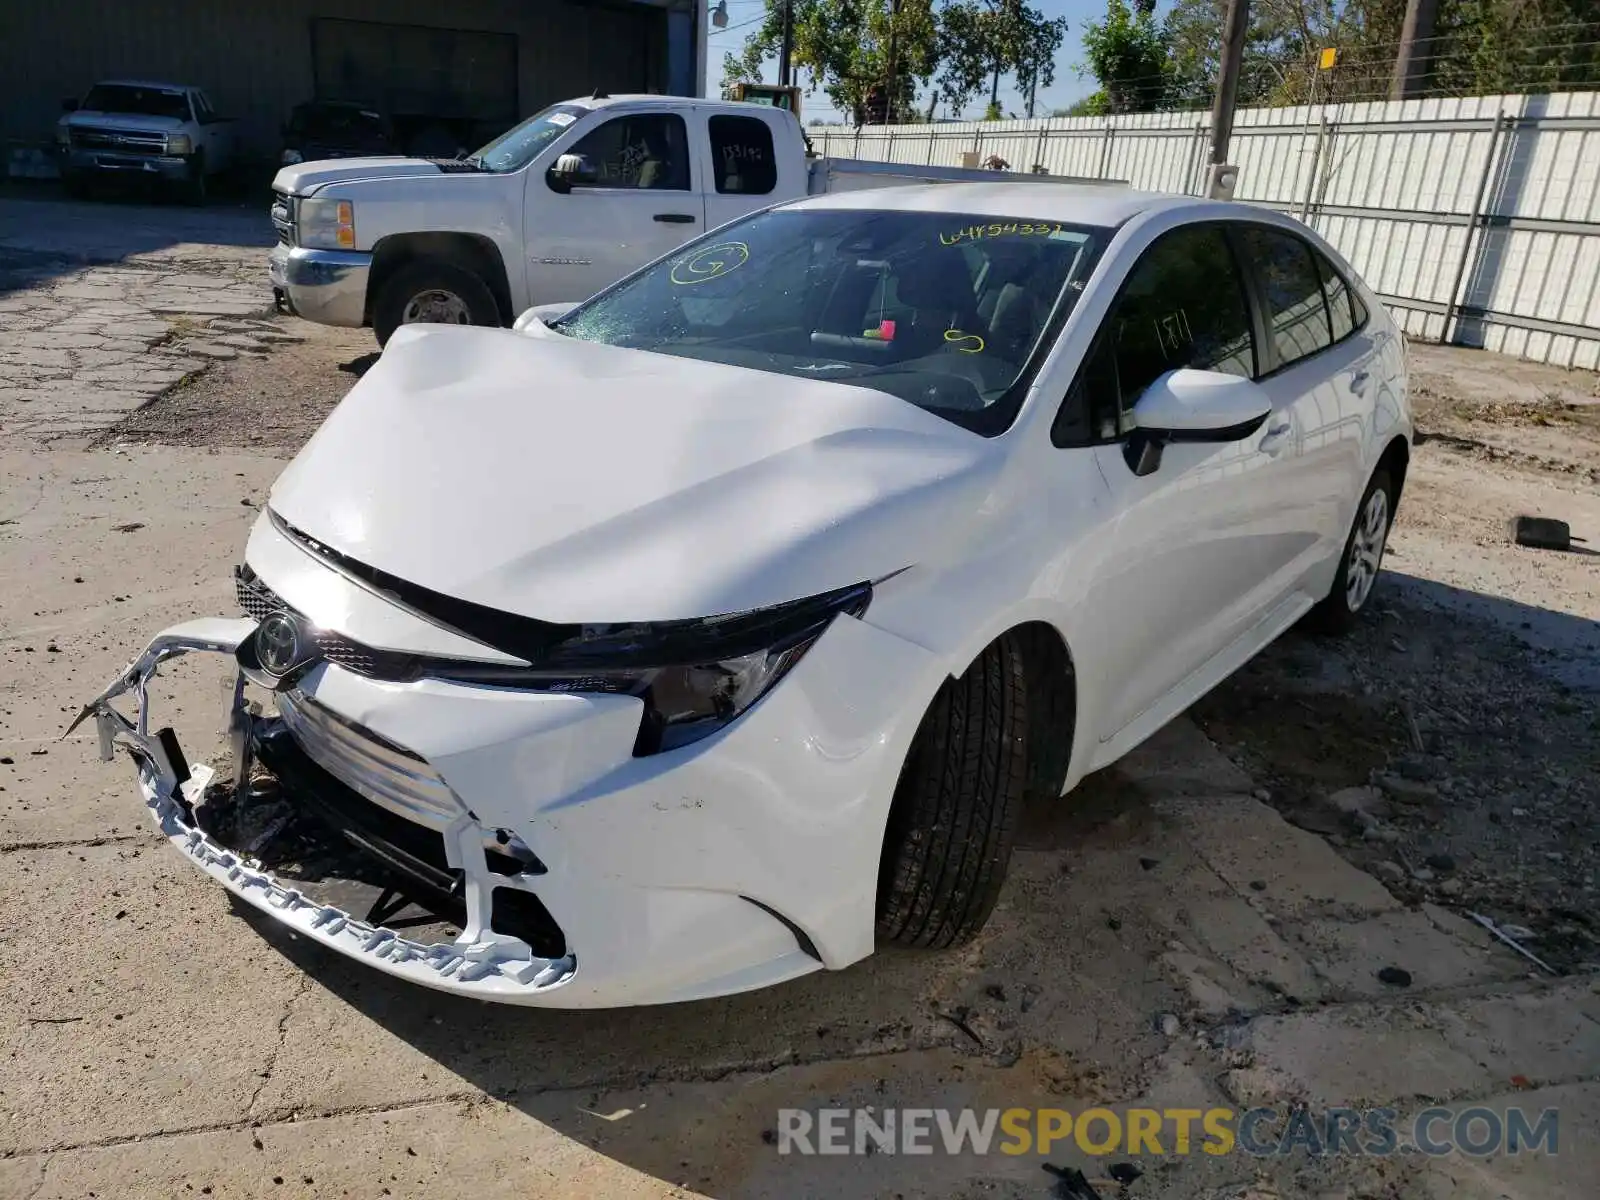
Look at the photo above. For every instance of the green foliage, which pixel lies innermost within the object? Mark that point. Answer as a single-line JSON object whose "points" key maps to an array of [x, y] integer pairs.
{"points": [[1127, 53], [1480, 47], [981, 41], [1094, 104], [843, 46]]}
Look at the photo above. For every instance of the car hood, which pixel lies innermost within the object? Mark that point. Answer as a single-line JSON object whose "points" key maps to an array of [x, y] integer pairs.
{"points": [[132, 122], [575, 482], [302, 179]]}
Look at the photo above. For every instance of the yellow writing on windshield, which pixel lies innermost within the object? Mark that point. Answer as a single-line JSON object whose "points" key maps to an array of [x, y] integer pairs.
{"points": [[713, 262], [973, 233]]}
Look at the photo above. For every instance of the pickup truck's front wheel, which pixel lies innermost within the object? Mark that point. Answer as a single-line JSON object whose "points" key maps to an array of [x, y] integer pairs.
{"points": [[432, 292], [194, 185]]}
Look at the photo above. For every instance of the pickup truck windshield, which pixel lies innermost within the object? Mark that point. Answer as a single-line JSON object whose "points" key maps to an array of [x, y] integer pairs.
{"points": [[518, 147], [948, 311], [140, 101]]}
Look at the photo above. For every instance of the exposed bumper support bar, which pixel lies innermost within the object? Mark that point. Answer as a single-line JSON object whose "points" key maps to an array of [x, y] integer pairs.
{"points": [[480, 963]]}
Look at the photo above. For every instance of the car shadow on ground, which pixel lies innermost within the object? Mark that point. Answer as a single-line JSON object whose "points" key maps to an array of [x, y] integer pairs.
{"points": [[1051, 973]]}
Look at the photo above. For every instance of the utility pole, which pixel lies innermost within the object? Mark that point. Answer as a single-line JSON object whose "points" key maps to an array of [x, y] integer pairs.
{"points": [[894, 14], [1416, 50], [1233, 32], [787, 45]]}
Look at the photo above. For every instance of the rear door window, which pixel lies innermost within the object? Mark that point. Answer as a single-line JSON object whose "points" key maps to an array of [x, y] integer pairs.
{"points": [[1297, 313], [742, 156]]}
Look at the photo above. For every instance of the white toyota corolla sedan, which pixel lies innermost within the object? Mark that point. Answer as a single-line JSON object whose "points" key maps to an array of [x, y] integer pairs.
{"points": [[712, 631]]}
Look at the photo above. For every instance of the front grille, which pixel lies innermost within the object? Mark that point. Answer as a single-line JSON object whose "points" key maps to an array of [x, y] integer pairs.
{"points": [[415, 854], [388, 775], [88, 138], [258, 600], [282, 213]]}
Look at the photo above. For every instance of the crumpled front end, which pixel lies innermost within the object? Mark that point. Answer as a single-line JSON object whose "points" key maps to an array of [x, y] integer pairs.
{"points": [[479, 962], [551, 865]]}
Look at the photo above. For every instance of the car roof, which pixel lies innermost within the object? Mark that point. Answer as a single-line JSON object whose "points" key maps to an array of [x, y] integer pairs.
{"points": [[654, 100], [154, 85], [1079, 204]]}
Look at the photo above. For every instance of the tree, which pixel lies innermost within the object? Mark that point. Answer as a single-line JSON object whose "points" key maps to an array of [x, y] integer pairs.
{"points": [[1127, 53], [981, 41], [1479, 47], [843, 47]]}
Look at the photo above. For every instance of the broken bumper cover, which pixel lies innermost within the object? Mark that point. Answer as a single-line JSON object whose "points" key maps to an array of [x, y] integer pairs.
{"points": [[742, 861], [489, 967]]}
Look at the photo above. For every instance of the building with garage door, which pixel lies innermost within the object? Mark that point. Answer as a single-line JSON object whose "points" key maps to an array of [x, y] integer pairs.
{"points": [[448, 74]]}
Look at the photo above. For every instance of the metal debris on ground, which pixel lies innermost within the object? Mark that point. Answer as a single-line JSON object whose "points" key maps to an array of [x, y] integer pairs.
{"points": [[1071, 1184], [1512, 942], [1541, 533]]}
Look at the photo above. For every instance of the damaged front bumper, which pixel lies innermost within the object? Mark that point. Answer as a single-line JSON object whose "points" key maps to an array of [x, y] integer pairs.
{"points": [[480, 962]]}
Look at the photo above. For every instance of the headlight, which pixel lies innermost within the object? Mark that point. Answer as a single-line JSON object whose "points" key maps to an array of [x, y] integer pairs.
{"points": [[328, 224], [180, 143], [694, 677], [290, 157]]}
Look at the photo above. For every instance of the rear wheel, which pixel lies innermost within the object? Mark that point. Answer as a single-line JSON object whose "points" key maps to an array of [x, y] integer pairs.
{"points": [[954, 816], [436, 293], [1363, 556]]}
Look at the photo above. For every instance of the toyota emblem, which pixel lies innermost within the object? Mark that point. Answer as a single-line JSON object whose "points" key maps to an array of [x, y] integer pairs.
{"points": [[279, 647]]}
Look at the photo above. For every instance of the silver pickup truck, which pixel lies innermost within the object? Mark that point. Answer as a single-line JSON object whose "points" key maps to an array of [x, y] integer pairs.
{"points": [[552, 211]]}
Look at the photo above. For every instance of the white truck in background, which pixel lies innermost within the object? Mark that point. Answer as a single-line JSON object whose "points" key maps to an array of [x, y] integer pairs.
{"points": [[131, 127], [552, 211]]}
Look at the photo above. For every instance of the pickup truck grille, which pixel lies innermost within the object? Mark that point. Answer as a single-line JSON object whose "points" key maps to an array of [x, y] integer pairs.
{"points": [[283, 218], [119, 141]]}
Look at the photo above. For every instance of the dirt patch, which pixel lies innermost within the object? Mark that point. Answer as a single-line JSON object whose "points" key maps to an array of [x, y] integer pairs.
{"points": [[1467, 706], [1502, 410], [260, 401]]}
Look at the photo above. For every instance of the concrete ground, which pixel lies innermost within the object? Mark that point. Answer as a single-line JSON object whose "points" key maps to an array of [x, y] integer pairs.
{"points": [[1176, 933]]}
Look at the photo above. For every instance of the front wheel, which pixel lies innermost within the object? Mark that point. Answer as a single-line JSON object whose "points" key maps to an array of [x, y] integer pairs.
{"points": [[1363, 556], [954, 815], [195, 187], [436, 293]]}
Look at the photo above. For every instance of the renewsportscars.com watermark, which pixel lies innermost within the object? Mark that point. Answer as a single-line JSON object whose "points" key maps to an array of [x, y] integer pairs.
{"points": [[1475, 1130]]}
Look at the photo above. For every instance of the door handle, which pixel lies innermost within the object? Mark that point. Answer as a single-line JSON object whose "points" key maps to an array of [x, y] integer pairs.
{"points": [[1277, 438], [1358, 382], [675, 218]]}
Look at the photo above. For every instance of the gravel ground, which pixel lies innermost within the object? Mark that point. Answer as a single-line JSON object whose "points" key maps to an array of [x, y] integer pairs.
{"points": [[1465, 714], [267, 401]]}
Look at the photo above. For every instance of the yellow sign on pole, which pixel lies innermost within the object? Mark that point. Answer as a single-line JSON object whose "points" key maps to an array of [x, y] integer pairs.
{"points": [[1328, 59]]}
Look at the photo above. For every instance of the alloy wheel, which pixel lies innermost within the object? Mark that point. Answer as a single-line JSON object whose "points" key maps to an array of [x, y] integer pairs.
{"points": [[1366, 549]]}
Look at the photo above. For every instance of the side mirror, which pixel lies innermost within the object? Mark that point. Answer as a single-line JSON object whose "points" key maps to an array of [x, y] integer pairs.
{"points": [[70, 104], [542, 314], [1193, 406], [570, 171]]}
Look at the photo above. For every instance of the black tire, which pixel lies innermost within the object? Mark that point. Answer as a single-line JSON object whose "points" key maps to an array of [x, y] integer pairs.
{"points": [[1339, 611], [397, 292], [954, 816], [195, 187]]}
